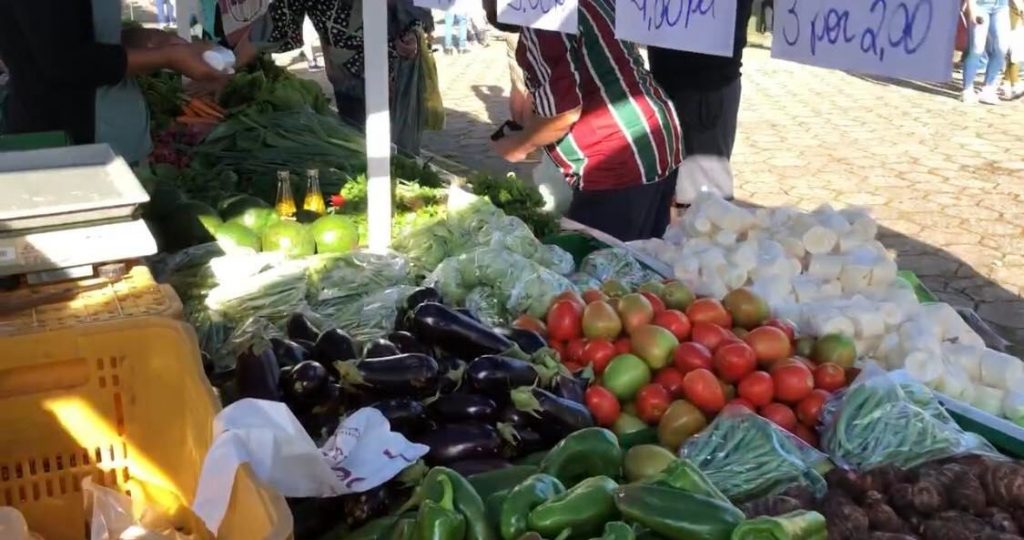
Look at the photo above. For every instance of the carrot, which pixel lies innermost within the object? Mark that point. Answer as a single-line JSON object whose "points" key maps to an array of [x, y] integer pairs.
{"points": [[195, 120], [204, 109]]}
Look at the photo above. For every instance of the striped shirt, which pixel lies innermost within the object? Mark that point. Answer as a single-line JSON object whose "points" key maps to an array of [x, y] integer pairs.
{"points": [[628, 132]]}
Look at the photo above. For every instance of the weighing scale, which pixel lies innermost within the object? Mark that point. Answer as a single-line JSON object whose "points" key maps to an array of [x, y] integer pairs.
{"points": [[65, 212]]}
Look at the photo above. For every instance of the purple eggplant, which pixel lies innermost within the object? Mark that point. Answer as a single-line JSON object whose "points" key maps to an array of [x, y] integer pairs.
{"points": [[569, 387], [528, 340], [470, 467], [496, 376], [451, 375], [287, 352], [458, 442], [405, 375], [257, 376], [407, 343], [359, 508], [422, 296], [440, 326], [307, 346], [380, 348], [518, 442], [553, 417], [406, 416], [305, 384], [334, 345], [514, 417], [462, 407], [298, 327]]}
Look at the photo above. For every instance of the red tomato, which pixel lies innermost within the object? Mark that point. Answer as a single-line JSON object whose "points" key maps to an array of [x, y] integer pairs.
{"points": [[623, 345], [829, 377], [780, 414], [809, 409], [593, 295], [656, 302], [793, 382], [770, 344], [733, 361], [527, 322], [572, 297], [785, 325], [603, 405], [575, 350], [740, 402], [807, 435], [651, 402], [757, 388], [690, 356], [704, 390], [598, 353], [672, 379], [709, 310], [559, 347], [674, 321], [564, 320], [708, 335]]}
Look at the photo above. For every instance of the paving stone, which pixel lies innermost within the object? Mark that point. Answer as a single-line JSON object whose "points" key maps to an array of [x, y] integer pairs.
{"points": [[929, 265], [1009, 314]]}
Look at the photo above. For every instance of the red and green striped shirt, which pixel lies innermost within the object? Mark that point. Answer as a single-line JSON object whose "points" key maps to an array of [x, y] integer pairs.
{"points": [[628, 132]]}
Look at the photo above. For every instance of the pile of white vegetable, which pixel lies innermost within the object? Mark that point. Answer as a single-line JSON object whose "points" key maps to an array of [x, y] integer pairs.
{"points": [[827, 272]]}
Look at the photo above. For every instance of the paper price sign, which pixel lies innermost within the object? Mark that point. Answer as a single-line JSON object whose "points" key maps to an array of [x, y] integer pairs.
{"points": [[556, 15], [907, 39], [701, 26]]}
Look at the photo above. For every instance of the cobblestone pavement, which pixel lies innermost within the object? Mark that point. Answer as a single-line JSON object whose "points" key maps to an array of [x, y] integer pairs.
{"points": [[945, 180]]}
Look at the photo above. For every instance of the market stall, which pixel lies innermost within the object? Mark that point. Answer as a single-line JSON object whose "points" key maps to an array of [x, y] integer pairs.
{"points": [[400, 355]]}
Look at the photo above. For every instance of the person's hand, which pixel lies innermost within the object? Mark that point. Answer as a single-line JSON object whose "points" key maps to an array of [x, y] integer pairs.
{"points": [[188, 60], [407, 46], [509, 147]]}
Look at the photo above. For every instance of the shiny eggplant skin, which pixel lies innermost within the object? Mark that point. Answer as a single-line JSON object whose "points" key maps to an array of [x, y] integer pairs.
{"points": [[380, 348], [422, 296], [257, 376], [525, 440], [442, 327], [404, 375], [407, 343], [528, 340], [298, 327], [304, 384], [458, 442], [554, 417], [406, 416], [463, 407], [495, 376], [307, 346], [569, 387], [287, 352], [334, 345]]}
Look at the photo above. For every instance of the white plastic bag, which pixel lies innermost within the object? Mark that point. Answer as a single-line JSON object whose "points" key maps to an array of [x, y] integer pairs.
{"points": [[362, 454], [13, 526], [112, 517]]}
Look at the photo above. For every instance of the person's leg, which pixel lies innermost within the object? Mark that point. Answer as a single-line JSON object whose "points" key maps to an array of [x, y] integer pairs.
{"points": [[449, 21], [633, 213], [999, 41], [977, 36], [463, 28], [1013, 67], [308, 36], [351, 109], [161, 12]]}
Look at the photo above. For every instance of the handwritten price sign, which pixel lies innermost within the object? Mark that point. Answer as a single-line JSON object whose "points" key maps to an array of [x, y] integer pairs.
{"points": [[907, 39], [702, 26], [557, 15]]}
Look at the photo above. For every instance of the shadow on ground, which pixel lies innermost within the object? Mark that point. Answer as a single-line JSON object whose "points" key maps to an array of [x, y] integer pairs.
{"points": [[949, 89]]}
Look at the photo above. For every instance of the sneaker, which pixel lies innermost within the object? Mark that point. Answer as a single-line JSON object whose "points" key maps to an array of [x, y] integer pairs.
{"points": [[448, 51], [464, 50], [969, 96], [989, 96], [1017, 91]]}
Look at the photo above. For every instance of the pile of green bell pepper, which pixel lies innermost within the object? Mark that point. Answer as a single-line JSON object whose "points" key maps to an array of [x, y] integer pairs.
{"points": [[575, 494]]}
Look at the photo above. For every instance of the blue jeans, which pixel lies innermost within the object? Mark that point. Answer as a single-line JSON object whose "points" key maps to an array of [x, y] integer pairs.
{"points": [[164, 12], [993, 32], [454, 19]]}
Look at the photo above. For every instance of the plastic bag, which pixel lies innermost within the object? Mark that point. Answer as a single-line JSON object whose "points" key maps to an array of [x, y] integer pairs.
{"points": [[274, 291], [367, 318], [112, 517], [358, 274], [13, 526], [163, 266], [486, 304], [889, 419], [433, 105], [584, 282], [614, 263], [748, 457]]}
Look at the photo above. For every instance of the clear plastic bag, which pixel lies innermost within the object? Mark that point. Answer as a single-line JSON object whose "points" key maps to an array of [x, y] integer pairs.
{"points": [[614, 263], [886, 418], [485, 303], [367, 318], [164, 265], [273, 292], [358, 274], [584, 282], [748, 457], [113, 517]]}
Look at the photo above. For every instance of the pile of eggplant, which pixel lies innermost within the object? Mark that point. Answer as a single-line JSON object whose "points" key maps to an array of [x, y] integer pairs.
{"points": [[442, 378]]}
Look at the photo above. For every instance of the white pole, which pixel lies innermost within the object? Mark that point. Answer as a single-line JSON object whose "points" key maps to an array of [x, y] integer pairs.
{"points": [[378, 123]]}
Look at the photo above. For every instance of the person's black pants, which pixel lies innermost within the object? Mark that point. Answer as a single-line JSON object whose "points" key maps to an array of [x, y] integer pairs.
{"points": [[633, 213], [708, 119]]}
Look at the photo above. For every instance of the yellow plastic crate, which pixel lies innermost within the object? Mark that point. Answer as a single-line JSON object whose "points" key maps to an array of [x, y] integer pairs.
{"points": [[127, 404], [137, 294]]}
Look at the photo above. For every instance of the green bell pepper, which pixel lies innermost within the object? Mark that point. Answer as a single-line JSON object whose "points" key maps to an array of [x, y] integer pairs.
{"points": [[583, 510], [617, 530], [466, 501], [531, 493], [798, 525], [403, 529], [439, 520], [371, 531], [677, 514], [491, 482], [683, 474], [493, 504], [586, 453]]}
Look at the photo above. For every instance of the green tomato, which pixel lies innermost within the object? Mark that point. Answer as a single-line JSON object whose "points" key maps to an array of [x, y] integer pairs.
{"points": [[625, 375]]}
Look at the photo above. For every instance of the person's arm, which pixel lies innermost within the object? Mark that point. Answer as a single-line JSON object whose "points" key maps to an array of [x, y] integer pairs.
{"points": [[548, 60], [148, 38]]}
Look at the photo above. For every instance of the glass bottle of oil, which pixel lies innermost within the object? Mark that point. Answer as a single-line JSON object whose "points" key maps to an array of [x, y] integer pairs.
{"points": [[285, 206], [314, 201]]}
